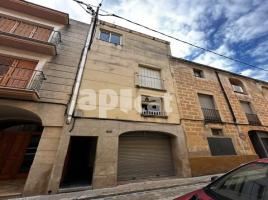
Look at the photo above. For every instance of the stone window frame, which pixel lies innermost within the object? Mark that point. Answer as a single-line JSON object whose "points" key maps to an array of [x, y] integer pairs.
{"points": [[200, 71], [215, 99], [237, 82]]}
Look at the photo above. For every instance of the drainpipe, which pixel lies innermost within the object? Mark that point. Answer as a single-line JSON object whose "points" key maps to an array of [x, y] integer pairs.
{"points": [[226, 98], [232, 112], [81, 67]]}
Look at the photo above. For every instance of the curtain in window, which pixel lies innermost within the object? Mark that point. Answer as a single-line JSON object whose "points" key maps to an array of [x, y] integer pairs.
{"points": [[206, 101]]}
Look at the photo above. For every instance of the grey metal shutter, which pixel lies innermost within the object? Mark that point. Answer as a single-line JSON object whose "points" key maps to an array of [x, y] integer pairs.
{"points": [[144, 155]]}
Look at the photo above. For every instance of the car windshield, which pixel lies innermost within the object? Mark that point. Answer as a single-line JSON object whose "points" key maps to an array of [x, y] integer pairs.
{"points": [[249, 182]]}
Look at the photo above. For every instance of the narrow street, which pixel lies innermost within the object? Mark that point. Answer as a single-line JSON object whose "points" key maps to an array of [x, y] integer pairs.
{"points": [[163, 194]]}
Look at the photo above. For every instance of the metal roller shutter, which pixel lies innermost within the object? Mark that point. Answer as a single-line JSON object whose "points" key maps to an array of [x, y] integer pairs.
{"points": [[144, 155]]}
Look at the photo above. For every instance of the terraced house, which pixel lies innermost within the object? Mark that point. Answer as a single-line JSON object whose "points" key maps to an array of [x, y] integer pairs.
{"points": [[40, 50], [224, 116], [140, 113]]}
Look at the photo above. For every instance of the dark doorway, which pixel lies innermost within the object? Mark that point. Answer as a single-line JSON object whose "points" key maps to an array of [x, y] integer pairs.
{"points": [[79, 162], [259, 141]]}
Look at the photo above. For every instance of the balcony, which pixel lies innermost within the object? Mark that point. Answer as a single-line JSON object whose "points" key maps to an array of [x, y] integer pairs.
{"points": [[149, 82], [22, 84], [28, 36], [211, 115], [253, 119], [152, 113]]}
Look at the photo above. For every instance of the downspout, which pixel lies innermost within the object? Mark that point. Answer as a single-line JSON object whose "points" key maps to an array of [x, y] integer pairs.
{"points": [[232, 112], [81, 68], [226, 98]]}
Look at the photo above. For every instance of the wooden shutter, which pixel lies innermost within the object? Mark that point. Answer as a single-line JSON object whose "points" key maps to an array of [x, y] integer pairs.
{"points": [[206, 101], [25, 30], [21, 74], [6, 25], [144, 156], [42, 34]]}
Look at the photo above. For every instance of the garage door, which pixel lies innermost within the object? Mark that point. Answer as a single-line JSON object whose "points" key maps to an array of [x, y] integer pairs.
{"points": [[144, 155]]}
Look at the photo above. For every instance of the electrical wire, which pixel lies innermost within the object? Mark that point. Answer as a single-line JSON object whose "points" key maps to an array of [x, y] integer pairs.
{"points": [[179, 40]]}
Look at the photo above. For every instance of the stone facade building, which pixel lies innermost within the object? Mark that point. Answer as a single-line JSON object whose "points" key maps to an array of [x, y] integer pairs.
{"points": [[140, 113], [40, 50], [223, 115]]}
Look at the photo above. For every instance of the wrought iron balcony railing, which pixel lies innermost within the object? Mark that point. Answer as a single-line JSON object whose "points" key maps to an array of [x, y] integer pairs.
{"points": [[211, 115], [149, 82], [152, 113], [253, 119], [25, 79]]}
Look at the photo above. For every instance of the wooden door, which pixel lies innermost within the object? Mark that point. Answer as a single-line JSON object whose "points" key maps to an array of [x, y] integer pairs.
{"points": [[13, 145]]}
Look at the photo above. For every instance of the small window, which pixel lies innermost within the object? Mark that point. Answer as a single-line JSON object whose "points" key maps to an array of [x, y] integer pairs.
{"points": [[237, 86], [221, 146], [216, 132], [110, 37], [198, 73], [152, 106]]}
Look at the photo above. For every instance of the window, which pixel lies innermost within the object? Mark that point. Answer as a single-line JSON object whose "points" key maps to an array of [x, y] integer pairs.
{"points": [[198, 73], [248, 182], [251, 116], [110, 37], [237, 86], [5, 64], [152, 106], [150, 78], [216, 132], [221, 146], [208, 108], [246, 107]]}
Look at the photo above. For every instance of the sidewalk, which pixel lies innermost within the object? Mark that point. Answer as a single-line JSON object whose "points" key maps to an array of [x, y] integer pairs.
{"points": [[126, 189]]}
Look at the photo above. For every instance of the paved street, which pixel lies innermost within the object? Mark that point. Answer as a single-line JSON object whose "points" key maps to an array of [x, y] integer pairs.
{"points": [[167, 188], [163, 194]]}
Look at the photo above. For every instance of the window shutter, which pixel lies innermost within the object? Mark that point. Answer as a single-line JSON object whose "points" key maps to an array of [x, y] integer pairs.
{"points": [[6, 24], [150, 78], [246, 107], [206, 101], [24, 29], [42, 34]]}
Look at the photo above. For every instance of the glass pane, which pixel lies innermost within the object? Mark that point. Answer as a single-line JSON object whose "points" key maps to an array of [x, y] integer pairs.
{"points": [[105, 36], [115, 39], [248, 182]]}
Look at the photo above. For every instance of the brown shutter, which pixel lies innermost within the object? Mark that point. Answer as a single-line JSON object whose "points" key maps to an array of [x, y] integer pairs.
{"points": [[42, 34], [144, 155], [6, 24], [21, 74], [24, 29]]}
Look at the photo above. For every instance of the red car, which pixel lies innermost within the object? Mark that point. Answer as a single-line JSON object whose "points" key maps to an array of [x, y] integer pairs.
{"points": [[247, 182]]}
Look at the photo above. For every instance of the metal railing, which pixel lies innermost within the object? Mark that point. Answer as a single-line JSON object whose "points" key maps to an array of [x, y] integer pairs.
{"points": [[152, 113], [22, 78], [149, 82], [55, 37], [211, 115], [253, 119]]}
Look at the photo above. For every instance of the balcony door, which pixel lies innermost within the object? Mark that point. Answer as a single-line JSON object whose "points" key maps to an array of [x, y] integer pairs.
{"points": [[15, 73]]}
